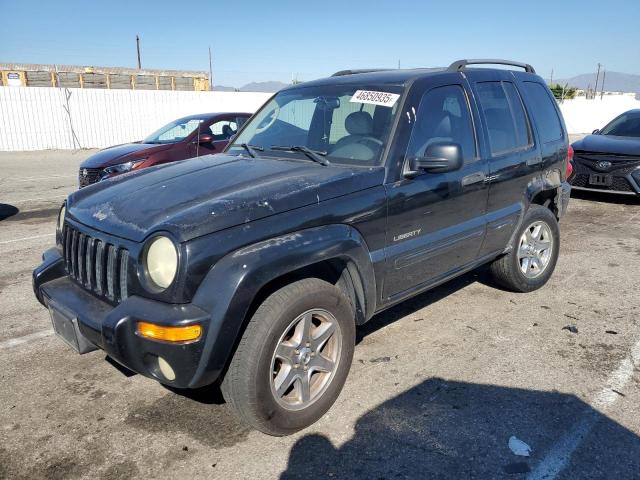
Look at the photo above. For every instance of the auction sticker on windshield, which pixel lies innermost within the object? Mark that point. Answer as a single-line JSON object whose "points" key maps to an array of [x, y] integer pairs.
{"points": [[375, 98]]}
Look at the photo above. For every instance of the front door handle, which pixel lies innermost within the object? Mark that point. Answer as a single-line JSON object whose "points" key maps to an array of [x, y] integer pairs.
{"points": [[476, 177]]}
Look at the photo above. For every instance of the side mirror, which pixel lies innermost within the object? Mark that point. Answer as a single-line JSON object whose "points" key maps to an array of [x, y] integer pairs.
{"points": [[205, 138], [439, 157], [596, 131]]}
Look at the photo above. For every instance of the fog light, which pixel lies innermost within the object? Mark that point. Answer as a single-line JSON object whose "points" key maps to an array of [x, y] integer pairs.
{"points": [[169, 334], [166, 369]]}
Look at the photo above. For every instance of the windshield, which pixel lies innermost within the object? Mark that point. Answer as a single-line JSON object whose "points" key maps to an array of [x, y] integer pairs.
{"points": [[175, 131], [626, 125], [344, 124]]}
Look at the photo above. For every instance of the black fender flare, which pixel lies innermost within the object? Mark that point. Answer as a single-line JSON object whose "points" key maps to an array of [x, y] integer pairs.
{"points": [[547, 181], [232, 284]]}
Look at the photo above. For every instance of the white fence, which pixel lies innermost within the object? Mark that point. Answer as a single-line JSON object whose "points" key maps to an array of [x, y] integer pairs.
{"points": [[54, 118], [584, 116], [57, 118]]}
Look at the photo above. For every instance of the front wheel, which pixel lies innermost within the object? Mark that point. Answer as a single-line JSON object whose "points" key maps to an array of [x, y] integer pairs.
{"points": [[533, 254], [293, 358]]}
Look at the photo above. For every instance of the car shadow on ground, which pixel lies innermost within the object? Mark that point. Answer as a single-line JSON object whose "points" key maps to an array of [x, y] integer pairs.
{"points": [[7, 211], [605, 197], [445, 429]]}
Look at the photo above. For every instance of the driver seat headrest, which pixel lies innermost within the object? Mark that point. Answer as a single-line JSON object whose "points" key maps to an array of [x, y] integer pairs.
{"points": [[227, 130], [359, 123]]}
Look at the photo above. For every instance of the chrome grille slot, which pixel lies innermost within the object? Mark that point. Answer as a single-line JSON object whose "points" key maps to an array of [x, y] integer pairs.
{"points": [[89, 263], [124, 265], [111, 272], [96, 265], [80, 261], [74, 250], [100, 268]]}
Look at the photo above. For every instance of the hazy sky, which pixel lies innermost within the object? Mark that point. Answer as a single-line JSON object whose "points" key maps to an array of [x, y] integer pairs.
{"points": [[275, 40]]}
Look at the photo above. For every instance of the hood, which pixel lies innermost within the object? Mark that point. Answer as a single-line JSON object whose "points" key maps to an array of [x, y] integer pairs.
{"points": [[114, 155], [609, 144], [210, 193]]}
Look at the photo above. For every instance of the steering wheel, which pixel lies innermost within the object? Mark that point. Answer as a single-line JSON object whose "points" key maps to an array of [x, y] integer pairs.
{"points": [[375, 140], [270, 121]]}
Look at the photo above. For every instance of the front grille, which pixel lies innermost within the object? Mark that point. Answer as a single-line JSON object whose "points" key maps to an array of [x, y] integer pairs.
{"points": [[620, 164], [87, 176], [618, 184], [587, 164], [96, 265]]}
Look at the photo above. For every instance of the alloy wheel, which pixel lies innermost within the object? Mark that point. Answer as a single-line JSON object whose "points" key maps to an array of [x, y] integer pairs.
{"points": [[305, 359]]}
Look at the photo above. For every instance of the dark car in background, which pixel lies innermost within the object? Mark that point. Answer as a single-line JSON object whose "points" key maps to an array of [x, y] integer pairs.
{"points": [[186, 137], [609, 159]]}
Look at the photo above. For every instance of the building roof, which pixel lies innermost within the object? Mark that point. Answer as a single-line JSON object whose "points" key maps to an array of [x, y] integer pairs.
{"points": [[29, 67]]}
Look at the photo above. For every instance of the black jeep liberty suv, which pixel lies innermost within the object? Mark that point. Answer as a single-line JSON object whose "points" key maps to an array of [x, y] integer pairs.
{"points": [[338, 199]]}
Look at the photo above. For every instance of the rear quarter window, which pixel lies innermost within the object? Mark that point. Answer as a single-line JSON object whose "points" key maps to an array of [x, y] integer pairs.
{"points": [[544, 113]]}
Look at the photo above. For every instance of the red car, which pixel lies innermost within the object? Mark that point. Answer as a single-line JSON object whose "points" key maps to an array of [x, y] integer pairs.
{"points": [[186, 137]]}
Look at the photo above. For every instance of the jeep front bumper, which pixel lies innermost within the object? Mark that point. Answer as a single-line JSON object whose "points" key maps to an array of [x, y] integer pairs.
{"points": [[85, 321]]}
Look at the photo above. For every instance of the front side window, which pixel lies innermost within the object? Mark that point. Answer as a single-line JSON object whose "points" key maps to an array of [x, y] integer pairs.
{"points": [[223, 130], [506, 119], [626, 125], [345, 124], [443, 116], [175, 131]]}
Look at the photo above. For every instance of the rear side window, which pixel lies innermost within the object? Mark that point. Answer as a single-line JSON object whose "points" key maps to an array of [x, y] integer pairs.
{"points": [[544, 112], [506, 119], [443, 116]]}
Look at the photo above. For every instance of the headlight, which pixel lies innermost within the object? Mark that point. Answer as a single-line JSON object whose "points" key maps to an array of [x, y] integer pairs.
{"points": [[161, 261], [61, 215], [121, 167]]}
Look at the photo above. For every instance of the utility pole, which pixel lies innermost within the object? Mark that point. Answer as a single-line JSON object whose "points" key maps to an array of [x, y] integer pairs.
{"points": [[138, 48], [604, 74], [210, 71], [398, 64], [595, 89], [551, 79]]}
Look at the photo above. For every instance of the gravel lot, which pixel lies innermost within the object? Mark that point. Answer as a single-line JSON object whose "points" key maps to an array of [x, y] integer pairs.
{"points": [[438, 386]]}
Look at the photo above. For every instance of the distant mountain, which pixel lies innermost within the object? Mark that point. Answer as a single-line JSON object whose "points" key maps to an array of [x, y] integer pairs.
{"points": [[268, 87], [220, 88], [263, 87], [613, 81]]}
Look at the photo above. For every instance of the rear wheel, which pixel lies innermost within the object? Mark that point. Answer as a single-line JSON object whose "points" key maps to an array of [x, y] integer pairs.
{"points": [[533, 254], [293, 359]]}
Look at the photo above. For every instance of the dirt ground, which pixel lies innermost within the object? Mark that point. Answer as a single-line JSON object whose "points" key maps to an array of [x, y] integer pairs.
{"points": [[438, 386]]}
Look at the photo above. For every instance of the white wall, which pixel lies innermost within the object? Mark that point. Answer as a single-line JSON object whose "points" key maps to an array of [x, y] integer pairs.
{"points": [[35, 118], [584, 116]]}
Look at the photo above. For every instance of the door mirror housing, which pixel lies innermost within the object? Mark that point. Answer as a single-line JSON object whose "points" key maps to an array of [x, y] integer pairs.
{"points": [[205, 138], [596, 132], [439, 157]]}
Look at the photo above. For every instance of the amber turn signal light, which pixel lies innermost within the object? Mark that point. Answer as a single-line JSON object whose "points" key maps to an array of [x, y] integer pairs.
{"points": [[169, 334]]}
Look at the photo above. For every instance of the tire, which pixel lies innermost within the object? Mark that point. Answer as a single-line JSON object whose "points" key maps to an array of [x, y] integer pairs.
{"points": [[250, 385], [508, 270]]}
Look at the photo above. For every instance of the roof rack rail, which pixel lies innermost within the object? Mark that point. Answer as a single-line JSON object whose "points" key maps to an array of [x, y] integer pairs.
{"points": [[342, 73], [460, 65]]}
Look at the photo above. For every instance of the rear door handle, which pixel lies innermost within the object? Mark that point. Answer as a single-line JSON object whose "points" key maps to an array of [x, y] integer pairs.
{"points": [[476, 177]]}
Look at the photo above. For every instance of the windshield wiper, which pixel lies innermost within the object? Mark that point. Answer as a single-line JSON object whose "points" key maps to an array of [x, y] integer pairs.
{"points": [[251, 149], [314, 155]]}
